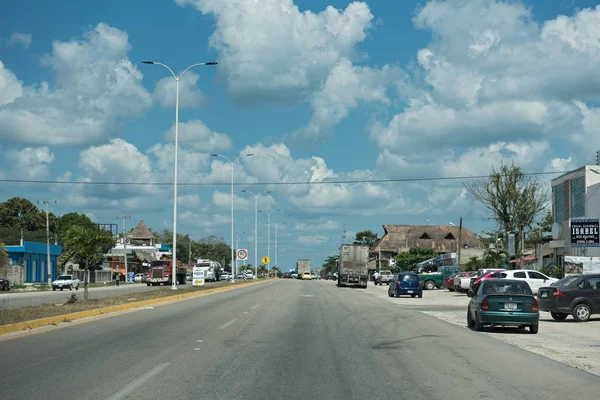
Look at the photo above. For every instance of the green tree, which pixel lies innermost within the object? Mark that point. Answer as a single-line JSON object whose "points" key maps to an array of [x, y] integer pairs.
{"points": [[65, 222], [366, 238], [513, 199], [330, 265], [86, 247], [3, 254], [408, 260]]}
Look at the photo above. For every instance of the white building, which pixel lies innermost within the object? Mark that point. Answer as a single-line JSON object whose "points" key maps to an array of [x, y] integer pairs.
{"points": [[575, 194]]}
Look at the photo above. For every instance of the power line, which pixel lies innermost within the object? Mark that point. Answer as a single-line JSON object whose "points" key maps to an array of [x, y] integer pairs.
{"points": [[345, 181]]}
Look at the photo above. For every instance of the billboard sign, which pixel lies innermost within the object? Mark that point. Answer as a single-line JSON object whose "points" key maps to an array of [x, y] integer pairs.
{"points": [[585, 232]]}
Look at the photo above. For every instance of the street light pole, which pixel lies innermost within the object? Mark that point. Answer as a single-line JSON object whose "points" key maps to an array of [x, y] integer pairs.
{"points": [[124, 245], [232, 164], [276, 247], [269, 236], [48, 261], [256, 227], [177, 78]]}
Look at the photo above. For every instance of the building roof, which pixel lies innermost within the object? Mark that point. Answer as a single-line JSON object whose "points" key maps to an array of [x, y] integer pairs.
{"points": [[141, 231], [442, 238]]}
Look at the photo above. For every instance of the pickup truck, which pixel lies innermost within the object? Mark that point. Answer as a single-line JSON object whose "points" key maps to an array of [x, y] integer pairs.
{"points": [[431, 280]]}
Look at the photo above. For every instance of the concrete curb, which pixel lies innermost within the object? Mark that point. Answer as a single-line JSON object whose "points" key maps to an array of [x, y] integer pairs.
{"points": [[38, 323]]}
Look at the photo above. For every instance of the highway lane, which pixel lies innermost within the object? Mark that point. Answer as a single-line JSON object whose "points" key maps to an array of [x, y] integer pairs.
{"points": [[25, 299], [282, 339]]}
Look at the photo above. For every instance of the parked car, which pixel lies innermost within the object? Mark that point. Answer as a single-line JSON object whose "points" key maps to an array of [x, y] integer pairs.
{"points": [[449, 282], [66, 282], [385, 276], [307, 276], [141, 277], [406, 283], [4, 284], [488, 275], [535, 279], [504, 302], [287, 275], [578, 295], [463, 283]]}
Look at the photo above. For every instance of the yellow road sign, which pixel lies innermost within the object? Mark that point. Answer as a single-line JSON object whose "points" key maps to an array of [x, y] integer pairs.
{"points": [[265, 260]]}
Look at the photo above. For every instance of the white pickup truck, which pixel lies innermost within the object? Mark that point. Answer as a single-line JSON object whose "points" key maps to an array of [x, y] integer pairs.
{"points": [[66, 282]]}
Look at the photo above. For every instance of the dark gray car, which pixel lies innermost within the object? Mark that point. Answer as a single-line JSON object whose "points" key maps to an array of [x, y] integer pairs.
{"points": [[578, 295]]}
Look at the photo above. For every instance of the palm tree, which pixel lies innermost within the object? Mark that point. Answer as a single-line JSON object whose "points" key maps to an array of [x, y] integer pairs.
{"points": [[86, 246]]}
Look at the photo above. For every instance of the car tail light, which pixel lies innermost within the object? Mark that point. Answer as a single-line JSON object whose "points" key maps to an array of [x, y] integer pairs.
{"points": [[535, 306], [558, 294], [420, 283], [485, 306]]}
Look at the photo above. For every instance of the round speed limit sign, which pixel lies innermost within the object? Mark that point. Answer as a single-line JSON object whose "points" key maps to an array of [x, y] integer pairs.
{"points": [[242, 254]]}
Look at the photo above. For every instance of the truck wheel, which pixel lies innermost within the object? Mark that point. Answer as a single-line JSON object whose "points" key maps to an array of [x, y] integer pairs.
{"points": [[429, 285]]}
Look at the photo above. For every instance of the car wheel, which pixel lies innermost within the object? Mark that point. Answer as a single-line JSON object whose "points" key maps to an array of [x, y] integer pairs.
{"points": [[54, 289], [534, 328], [420, 295], [558, 316], [413, 295], [582, 312], [390, 294], [477, 326], [71, 287], [61, 289], [430, 285], [470, 322], [77, 287]]}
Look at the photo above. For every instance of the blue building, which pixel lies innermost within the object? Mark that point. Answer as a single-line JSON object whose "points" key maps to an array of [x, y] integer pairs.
{"points": [[33, 257]]}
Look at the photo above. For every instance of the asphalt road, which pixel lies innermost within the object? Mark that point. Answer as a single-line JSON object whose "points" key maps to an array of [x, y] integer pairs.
{"points": [[282, 339], [25, 299]]}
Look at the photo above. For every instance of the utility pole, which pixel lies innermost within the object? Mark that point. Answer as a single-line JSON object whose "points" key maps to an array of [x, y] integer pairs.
{"points": [[124, 245], [48, 261], [459, 240]]}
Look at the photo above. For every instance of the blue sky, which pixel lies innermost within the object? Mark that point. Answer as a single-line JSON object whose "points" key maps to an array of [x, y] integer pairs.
{"points": [[318, 90]]}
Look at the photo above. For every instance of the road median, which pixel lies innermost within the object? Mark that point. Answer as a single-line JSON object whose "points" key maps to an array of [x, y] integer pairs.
{"points": [[27, 318]]}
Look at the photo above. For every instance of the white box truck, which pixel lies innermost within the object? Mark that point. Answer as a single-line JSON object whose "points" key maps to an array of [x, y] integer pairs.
{"points": [[352, 266]]}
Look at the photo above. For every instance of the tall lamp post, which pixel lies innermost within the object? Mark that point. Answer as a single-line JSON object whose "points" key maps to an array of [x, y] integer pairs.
{"points": [[256, 227], [276, 247], [48, 261], [232, 164], [269, 235], [177, 79], [124, 245]]}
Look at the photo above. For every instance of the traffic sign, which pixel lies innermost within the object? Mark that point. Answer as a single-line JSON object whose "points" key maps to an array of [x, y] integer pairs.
{"points": [[265, 260], [197, 276], [242, 254]]}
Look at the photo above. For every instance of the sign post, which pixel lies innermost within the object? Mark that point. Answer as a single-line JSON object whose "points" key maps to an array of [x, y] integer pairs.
{"points": [[242, 254], [197, 276]]}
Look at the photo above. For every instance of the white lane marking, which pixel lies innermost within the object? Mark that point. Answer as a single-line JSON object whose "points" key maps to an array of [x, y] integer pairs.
{"points": [[245, 312], [256, 306], [197, 348], [199, 341], [127, 390], [227, 324]]}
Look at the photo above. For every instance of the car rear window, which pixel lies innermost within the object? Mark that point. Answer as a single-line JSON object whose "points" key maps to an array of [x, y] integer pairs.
{"points": [[409, 278], [566, 281], [509, 288]]}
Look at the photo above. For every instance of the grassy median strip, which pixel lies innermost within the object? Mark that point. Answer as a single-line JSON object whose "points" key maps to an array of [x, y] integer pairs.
{"points": [[9, 315]]}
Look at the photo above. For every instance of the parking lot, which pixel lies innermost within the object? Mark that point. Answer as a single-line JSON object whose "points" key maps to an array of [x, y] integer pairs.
{"points": [[573, 343]]}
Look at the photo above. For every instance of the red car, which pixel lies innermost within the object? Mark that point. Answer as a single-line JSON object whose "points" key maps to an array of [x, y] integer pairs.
{"points": [[489, 275], [450, 282]]}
